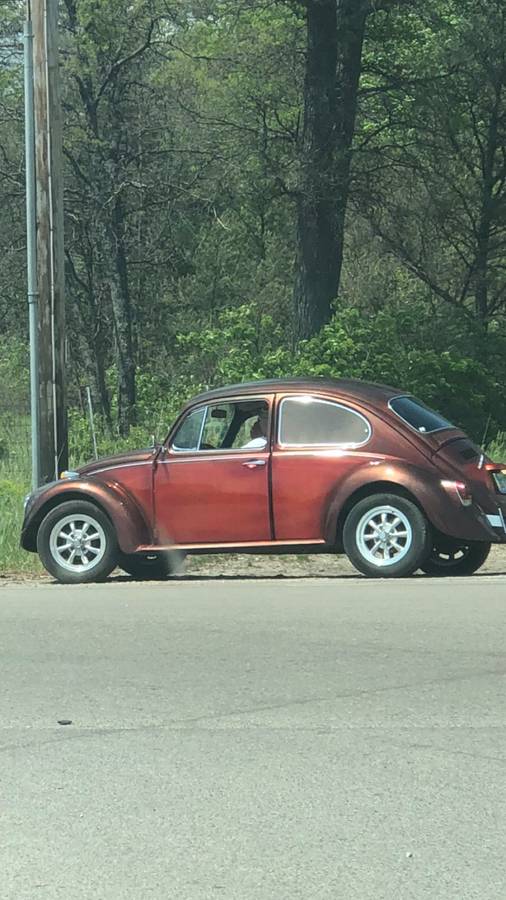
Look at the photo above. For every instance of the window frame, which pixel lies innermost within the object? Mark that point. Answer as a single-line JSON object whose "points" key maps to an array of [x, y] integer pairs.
{"points": [[178, 426], [342, 445], [447, 427], [269, 400]]}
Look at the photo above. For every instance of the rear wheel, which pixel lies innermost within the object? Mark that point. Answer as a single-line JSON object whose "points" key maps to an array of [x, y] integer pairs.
{"points": [[386, 536], [151, 566], [449, 557], [77, 543]]}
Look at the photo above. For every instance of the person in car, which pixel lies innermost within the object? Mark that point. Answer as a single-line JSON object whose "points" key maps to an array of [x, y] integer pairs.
{"points": [[258, 433]]}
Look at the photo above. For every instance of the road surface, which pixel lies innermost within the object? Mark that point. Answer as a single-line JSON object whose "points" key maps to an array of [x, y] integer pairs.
{"points": [[254, 739]]}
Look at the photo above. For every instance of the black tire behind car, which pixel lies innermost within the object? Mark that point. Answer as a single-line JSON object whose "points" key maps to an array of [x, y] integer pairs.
{"points": [[150, 566], [449, 557], [386, 523]]}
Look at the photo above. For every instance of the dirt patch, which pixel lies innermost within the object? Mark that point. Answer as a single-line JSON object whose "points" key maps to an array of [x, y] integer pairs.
{"points": [[295, 566], [251, 566]]}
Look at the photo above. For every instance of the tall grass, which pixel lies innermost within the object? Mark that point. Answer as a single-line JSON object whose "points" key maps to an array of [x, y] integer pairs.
{"points": [[15, 477], [497, 448], [14, 485]]}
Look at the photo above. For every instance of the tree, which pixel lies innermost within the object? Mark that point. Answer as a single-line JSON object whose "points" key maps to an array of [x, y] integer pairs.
{"points": [[440, 206], [107, 72], [335, 35]]}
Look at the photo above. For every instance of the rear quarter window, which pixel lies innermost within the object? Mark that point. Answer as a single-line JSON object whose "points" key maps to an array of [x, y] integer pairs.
{"points": [[419, 416], [309, 421]]}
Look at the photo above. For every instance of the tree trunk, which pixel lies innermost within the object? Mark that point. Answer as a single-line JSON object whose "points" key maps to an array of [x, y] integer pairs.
{"points": [[123, 332], [482, 258], [335, 34]]}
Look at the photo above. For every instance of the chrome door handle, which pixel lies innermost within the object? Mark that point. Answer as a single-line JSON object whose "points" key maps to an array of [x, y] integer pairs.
{"points": [[254, 463]]}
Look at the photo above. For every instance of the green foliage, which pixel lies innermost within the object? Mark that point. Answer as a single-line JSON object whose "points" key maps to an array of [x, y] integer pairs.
{"points": [[244, 344], [382, 348], [12, 558], [496, 449]]}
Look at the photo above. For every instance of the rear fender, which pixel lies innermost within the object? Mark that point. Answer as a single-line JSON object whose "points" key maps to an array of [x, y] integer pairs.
{"points": [[132, 529], [443, 509]]}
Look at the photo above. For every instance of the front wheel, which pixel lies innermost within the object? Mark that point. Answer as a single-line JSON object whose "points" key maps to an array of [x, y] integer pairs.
{"points": [[77, 543], [456, 558], [386, 536]]}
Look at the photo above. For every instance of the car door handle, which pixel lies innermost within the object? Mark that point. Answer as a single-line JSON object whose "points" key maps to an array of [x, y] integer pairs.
{"points": [[253, 463]]}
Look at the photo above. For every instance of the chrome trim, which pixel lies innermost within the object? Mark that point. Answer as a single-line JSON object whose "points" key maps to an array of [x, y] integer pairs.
{"points": [[148, 462], [481, 461], [202, 427], [495, 521], [192, 412], [503, 521], [206, 456], [343, 445]]}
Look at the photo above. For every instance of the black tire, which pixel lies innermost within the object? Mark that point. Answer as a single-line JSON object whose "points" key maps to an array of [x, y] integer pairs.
{"points": [[151, 566], [102, 553], [449, 557], [360, 537]]}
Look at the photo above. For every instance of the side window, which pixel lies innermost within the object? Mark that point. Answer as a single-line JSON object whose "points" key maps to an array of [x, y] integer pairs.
{"points": [[188, 435], [419, 416], [216, 426], [225, 426], [308, 421], [253, 430]]}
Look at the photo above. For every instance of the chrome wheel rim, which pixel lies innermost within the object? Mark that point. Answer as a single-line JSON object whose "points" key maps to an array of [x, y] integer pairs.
{"points": [[384, 536], [77, 543]]}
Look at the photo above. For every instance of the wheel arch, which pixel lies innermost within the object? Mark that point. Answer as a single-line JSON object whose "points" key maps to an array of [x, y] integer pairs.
{"points": [[120, 508], [368, 490]]}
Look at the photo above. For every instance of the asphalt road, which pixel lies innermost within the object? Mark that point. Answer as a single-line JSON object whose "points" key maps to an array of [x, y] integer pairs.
{"points": [[254, 739]]}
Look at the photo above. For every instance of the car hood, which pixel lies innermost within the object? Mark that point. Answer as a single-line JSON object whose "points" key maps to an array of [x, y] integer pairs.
{"points": [[130, 457]]}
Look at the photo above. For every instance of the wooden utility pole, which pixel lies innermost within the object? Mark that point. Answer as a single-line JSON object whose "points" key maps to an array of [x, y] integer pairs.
{"points": [[50, 249]]}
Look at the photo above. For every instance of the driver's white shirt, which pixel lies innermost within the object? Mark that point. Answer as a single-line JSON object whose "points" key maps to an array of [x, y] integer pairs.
{"points": [[259, 443]]}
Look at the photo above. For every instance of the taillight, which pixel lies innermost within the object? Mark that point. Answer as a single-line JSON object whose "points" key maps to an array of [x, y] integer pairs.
{"points": [[461, 489]]}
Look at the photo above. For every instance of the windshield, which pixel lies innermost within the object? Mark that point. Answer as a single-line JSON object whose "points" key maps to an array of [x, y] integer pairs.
{"points": [[419, 416]]}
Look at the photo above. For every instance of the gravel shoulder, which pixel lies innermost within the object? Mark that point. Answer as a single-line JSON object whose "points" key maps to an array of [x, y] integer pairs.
{"points": [[252, 566]]}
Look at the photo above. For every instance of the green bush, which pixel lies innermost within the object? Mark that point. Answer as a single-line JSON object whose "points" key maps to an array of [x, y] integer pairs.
{"points": [[244, 344], [497, 448]]}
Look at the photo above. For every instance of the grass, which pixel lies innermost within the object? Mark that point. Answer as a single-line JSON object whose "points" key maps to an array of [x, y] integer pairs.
{"points": [[15, 480], [14, 485]]}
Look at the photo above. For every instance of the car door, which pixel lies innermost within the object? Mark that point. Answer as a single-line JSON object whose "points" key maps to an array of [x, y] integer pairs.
{"points": [[317, 444], [211, 484]]}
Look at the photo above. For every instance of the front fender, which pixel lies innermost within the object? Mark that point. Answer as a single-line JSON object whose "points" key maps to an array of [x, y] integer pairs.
{"points": [[442, 508], [132, 529]]}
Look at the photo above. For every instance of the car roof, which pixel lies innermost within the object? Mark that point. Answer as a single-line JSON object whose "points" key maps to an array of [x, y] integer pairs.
{"points": [[343, 387]]}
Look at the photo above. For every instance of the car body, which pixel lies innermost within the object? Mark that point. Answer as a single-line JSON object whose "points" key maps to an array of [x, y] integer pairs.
{"points": [[329, 446]]}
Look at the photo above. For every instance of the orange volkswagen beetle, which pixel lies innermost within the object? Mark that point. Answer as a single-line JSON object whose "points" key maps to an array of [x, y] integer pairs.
{"points": [[293, 465]]}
